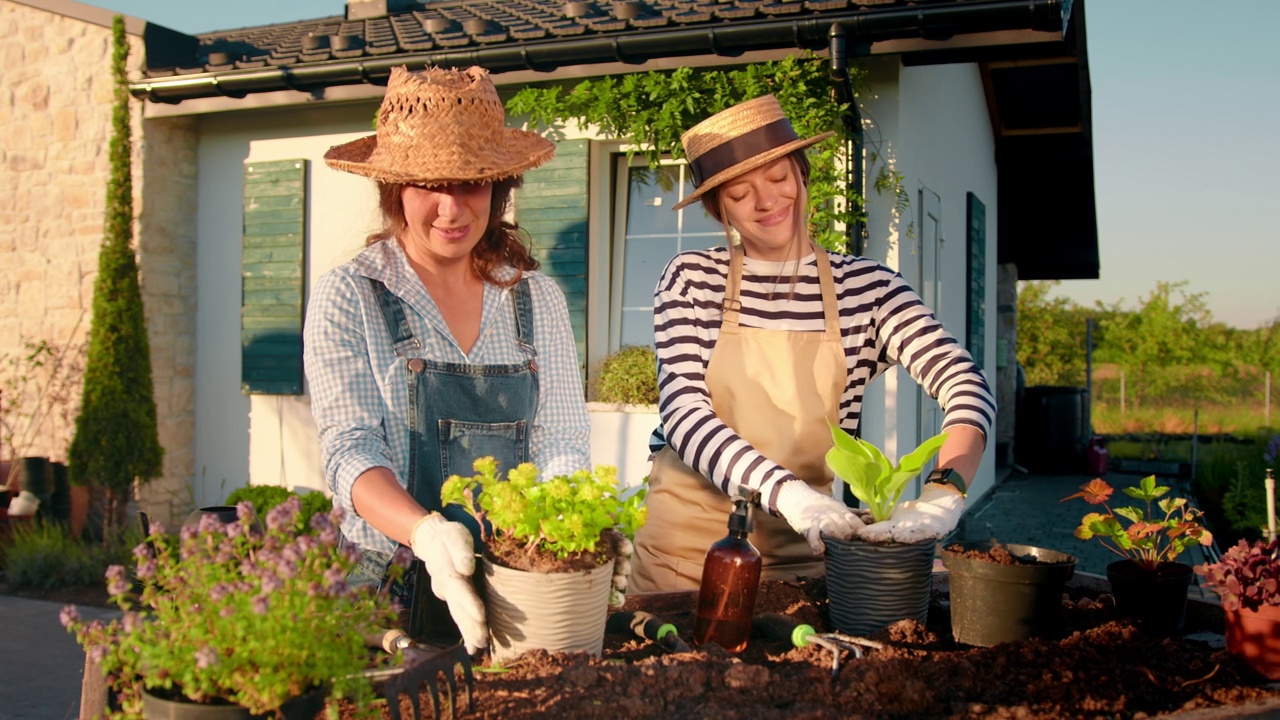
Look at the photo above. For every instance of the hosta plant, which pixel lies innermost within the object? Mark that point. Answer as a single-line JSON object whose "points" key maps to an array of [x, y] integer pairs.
{"points": [[564, 516], [870, 475], [1246, 576], [1141, 534], [230, 613]]}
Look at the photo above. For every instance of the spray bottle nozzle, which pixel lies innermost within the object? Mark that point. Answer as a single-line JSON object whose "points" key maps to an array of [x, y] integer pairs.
{"points": [[740, 518]]}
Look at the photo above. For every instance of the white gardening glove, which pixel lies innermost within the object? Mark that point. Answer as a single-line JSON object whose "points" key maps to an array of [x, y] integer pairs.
{"points": [[812, 513], [932, 515], [446, 549]]}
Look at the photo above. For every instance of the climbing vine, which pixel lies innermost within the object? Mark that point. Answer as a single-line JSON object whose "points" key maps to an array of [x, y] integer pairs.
{"points": [[650, 110]]}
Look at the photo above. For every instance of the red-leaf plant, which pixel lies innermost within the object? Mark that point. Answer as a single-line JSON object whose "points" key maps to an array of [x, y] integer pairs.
{"points": [[1148, 539], [1246, 576]]}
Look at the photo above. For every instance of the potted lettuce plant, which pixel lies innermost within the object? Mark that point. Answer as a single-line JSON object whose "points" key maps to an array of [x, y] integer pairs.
{"points": [[1149, 583], [1247, 579], [873, 584], [557, 552]]}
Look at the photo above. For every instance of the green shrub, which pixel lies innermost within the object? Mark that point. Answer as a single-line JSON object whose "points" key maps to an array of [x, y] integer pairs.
{"points": [[46, 557], [266, 497], [629, 376]]}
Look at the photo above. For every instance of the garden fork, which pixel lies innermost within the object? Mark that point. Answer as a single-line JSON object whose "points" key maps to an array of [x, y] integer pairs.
{"points": [[779, 627], [424, 665]]}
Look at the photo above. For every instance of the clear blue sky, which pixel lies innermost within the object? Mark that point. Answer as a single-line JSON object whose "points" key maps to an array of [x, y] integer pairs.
{"points": [[1186, 113]]}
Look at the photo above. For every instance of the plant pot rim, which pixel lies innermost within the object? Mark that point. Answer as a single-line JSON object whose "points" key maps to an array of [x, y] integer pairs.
{"points": [[1018, 550], [491, 561], [879, 543]]}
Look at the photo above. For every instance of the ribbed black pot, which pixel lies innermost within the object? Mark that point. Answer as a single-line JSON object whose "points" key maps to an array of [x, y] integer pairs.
{"points": [[872, 585], [993, 602], [1156, 599]]}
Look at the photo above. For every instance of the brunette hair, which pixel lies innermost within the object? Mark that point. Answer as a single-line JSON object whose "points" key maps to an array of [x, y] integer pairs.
{"points": [[503, 242]]}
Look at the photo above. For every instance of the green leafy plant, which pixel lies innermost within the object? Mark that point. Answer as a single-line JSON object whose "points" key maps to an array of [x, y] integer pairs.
{"points": [[650, 110], [44, 556], [871, 477], [236, 614], [266, 497], [1246, 576], [563, 515], [116, 443], [1139, 534], [629, 376]]}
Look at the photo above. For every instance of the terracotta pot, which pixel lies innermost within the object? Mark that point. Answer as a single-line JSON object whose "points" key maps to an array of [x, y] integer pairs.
{"points": [[873, 585], [559, 612], [993, 603], [1255, 636], [1156, 599], [81, 496]]}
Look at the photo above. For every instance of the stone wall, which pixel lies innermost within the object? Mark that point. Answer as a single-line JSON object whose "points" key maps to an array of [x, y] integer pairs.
{"points": [[55, 125]]}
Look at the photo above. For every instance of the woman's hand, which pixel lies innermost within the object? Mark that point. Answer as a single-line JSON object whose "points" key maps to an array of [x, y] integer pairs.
{"points": [[445, 548], [812, 513], [932, 515]]}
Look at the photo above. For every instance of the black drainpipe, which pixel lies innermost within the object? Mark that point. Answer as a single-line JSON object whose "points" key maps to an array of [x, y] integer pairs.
{"points": [[730, 40], [852, 120]]}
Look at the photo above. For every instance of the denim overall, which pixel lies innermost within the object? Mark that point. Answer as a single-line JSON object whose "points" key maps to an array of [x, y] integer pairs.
{"points": [[458, 412]]}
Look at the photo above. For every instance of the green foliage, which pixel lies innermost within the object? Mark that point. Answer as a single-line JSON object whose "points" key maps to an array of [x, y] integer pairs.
{"points": [[116, 442], [630, 376], [562, 515], [232, 614], [1148, 539], [872, 478], [651, 110], [45, 557], [1051, 334], [266, 497]]}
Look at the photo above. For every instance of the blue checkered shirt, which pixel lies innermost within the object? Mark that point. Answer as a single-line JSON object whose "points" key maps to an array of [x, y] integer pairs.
{"points": [[359, 388]]}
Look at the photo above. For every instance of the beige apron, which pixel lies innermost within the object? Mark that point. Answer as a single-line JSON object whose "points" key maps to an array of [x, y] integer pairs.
{"points": [[776, 389]]}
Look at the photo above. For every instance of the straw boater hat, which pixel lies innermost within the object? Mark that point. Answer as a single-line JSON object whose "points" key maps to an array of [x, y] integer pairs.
{"points": [[441, 127], [738, 139]]}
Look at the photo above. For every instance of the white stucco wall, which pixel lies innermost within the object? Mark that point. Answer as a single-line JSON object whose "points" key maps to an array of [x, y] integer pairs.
{"points": [[264, 439], [931, 125]]}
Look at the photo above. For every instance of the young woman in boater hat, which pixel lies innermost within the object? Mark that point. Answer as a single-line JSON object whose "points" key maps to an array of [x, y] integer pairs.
{"points": [[763, 341], [439, 343]]}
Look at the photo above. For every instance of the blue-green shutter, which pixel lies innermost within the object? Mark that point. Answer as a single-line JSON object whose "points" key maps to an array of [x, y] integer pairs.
{"points": [[976, 296], [552, 208], [271, 276]]}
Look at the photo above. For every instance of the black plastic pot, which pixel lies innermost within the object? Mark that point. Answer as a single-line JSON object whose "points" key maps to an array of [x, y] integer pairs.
{"points": [[872, 585], [1156, 599], [993, 602], [156, 707]]}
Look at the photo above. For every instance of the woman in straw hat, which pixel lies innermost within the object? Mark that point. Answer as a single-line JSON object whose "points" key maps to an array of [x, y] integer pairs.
{"points": [[760, 343], [439, 343]]}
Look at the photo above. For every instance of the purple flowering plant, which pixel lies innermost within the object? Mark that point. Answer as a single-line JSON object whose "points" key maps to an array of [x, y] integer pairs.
{"points": [[1245, 576], [238, 613]]}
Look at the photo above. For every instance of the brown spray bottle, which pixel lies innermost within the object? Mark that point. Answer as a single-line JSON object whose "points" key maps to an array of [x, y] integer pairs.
{"points": [[730, 579]]}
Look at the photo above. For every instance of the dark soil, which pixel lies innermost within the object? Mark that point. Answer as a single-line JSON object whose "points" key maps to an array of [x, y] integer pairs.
{"points": [[1096, 665]]}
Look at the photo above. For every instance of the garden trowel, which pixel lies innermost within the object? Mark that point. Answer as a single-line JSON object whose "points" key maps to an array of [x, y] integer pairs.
{"points": [[644, 625]]}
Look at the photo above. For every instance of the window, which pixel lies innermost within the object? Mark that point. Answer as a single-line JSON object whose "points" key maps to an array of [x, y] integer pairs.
{"points": [[647, 234]]}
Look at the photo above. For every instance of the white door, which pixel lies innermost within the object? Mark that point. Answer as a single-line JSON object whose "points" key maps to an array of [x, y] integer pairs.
{"points": [[928, 284]]}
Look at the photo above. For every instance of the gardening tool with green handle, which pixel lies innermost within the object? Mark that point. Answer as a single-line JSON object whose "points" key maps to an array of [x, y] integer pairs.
{"points": [[783, 628], [642, 624]]}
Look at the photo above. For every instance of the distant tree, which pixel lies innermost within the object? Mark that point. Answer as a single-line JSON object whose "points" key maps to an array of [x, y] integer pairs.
{"points": [[116, 443], [1051, 336]]}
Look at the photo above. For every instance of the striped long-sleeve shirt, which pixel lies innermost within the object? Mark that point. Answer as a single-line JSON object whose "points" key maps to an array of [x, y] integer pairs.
{"points": [[883, 322]]}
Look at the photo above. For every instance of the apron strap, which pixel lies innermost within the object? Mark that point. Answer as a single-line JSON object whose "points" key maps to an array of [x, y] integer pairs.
{"points": [[830, 309], [402, 339], [523, 305], [732, 302]]}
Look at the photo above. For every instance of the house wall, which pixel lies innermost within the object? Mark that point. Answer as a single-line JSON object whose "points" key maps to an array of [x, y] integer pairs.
{"points": [[55, 126], [931, 125]]}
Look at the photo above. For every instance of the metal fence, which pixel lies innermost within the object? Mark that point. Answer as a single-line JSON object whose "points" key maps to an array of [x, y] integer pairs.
{"points": [[1181, 400]]}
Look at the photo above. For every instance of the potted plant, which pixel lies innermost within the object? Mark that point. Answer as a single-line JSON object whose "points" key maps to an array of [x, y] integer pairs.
{"points": [[550, 551], [1149, 583], [872, 584], [1004, 592], [623, 407], [1247, 579], [256, 622]]}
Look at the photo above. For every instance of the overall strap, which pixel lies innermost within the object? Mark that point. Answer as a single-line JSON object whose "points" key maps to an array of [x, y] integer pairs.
{"points": [[732, 287], [522, 303], [402, 339]]}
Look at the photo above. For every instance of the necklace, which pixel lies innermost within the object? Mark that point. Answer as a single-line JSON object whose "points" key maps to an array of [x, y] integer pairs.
{"points": [[781, 271]]}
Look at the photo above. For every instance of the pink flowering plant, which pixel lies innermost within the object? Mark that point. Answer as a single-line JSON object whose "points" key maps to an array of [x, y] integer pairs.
{"points": [[230, 613]]}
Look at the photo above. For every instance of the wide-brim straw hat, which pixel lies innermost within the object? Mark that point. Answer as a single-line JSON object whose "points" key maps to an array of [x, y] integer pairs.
{"points": [[737, 140], [441, 127]]}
